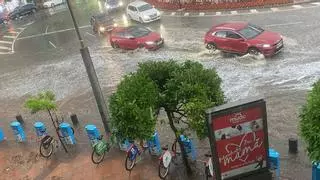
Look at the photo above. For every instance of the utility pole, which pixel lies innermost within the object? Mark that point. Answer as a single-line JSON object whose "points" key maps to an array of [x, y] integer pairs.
{"points": [[92, 75]]}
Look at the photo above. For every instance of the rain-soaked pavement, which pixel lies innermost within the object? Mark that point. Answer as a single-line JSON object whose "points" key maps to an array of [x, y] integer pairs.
{"points": [[46, 56]]}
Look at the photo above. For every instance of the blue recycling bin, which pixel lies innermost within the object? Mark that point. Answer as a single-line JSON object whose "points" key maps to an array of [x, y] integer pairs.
{"points": [[67, 133], [154, 144], [93, 133], [1, 135], [18, 131], [40, 129], [315, 171], [274, 162], [189, 147]]}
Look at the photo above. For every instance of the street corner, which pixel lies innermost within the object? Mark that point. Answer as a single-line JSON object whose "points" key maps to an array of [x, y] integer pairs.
{"points": [[8, 37], [246, 11]]}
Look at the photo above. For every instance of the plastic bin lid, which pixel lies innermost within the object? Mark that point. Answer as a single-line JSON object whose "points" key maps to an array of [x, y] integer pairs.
{"points": [[38, 124], [15, 123], [64, 125], [90, 127]]}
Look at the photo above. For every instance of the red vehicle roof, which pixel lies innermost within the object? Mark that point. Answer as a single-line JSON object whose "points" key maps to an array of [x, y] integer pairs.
{"points": [[232, 26]]}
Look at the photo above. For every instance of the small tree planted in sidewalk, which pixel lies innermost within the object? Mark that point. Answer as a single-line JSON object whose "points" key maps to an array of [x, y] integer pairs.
{"points": [[184, 91], [310, 123], [44, 101]]}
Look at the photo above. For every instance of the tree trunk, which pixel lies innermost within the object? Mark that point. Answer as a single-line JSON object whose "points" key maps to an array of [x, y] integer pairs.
{"points": [[183, 152]]}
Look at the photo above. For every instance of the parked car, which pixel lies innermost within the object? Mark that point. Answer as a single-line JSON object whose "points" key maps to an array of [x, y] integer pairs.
{"points": [[4, 19], [134, 37], [102, 23], [52, 3], [113, 4], [243, 38], [142, 12], [22, 10]]}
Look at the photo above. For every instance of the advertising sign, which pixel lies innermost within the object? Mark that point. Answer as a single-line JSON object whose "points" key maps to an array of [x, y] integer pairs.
{"points": [[238, 138]]}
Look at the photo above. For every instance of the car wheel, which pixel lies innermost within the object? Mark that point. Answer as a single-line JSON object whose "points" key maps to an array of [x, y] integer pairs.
{"points": [[211, 47], [140, 20], [254, 51], [5, 21], [114, 45], [33, 11], [140, 46]]}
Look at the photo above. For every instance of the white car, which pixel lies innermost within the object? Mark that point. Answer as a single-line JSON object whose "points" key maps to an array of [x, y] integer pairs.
{"points": [[52, 3], [142, 12]]}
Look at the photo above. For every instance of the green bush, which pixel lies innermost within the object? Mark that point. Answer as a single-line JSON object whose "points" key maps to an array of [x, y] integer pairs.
{"points": [[310, 123]]}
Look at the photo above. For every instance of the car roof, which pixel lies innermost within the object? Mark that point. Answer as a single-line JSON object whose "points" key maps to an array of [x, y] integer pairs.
{"points": [[235, 26], [138, 3]]}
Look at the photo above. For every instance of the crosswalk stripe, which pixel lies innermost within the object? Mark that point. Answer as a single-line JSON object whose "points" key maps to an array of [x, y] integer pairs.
{"points": [[161, 12], [218, 13], [297, 6], [316, 3], [12, 32], [186, 14], [5, 42], [20, 28], [234, 12], [173, 13], [253, 11], [274, 9], [12, 37], [5, 48], [201, 14]]}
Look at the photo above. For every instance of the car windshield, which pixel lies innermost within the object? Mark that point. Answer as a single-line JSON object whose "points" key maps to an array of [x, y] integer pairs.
{"points": [[145, 7], [104, 18], [251, 31], [139, 31]]}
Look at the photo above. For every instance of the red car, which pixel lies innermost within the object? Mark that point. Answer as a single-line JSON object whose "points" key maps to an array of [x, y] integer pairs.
{"points": [[134, 37], [243, 38]]}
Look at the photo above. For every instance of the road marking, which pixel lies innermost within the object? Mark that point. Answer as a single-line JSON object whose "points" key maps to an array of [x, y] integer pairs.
{"points": [[52, 32], [186, 14], [297, 6], [316, 3], [90, 34], [284, 24], [234, 12], [161, 12], [52, 44], [20, 28], [14, 41], [201, 14], [12, 32], [5, 48], [173, 13], [253, 11], [5, 42], [46, 32], [12, 37], [218, 13], [274, 9]]}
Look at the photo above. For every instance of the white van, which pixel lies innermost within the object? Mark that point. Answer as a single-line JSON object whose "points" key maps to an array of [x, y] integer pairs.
{"points": [[52, 3]]}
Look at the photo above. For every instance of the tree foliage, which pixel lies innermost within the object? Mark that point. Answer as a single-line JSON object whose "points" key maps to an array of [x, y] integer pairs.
{"points": [[132, 107], [310, 123], [43, 101]]}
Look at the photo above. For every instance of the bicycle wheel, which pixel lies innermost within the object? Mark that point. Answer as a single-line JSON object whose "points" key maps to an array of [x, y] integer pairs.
{"points": [[163, 171], [129, 164], [96, 158], [46, 149]]}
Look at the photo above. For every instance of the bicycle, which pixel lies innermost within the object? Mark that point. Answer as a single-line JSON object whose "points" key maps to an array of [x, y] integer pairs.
{"points": [[100, 147], [165, 160], [132, 153]]}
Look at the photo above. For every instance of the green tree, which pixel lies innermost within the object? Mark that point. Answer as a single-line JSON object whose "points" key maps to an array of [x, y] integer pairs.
{"points": [[44, 101], [184, 91], [310, 123], [132, 107]]}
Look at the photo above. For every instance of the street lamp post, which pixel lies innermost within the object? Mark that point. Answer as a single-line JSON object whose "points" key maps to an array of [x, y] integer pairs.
{"points": [[92, 75]]}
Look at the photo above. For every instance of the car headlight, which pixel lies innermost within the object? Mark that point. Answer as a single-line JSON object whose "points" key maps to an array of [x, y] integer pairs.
{"points": [[149, 42], [158, 13], [266, 45], [115, 25], [146, 17], [101, 29], [120, 3], [108, 6]]}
